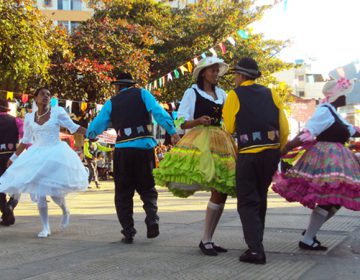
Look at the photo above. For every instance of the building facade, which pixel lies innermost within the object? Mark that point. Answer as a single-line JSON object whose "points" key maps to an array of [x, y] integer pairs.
{"points": [[65, 13]]}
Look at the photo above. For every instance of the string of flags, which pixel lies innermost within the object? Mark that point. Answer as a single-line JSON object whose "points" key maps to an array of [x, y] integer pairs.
{"points": [[94, 108], [188, 66]]}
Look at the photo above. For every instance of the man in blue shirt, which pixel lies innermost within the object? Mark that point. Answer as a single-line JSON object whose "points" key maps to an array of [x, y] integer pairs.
{"points": [[129, 113]]}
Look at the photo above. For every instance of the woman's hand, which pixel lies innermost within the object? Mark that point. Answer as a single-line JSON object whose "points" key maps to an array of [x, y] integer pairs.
{"points": [[205, 120]]}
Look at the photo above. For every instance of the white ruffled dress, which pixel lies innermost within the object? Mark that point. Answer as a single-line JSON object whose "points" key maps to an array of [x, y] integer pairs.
{"points": [[49, 166]]}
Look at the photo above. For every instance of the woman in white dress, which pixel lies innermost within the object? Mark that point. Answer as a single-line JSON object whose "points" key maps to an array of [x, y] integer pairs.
{"points": [[49, 166]]}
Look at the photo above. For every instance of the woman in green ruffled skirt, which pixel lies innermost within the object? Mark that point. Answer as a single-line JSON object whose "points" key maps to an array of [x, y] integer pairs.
{"points": [[204, 159]]}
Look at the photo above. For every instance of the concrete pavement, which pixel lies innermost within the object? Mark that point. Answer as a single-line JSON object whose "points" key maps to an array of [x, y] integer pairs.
{"points": [[91, 249]]}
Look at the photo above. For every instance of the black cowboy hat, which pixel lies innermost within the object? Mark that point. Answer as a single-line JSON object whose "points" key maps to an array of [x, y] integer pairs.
{"points": [[124, 79], [4, 105], [248, 67]]}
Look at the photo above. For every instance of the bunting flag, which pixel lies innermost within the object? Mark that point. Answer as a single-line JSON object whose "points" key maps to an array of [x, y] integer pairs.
{"points": [[243, 34], [83, 106], [341, 72], [177, 75], [231, 40], [169, 77], [357, 67], [285, 5], [150, 87], [213, 52], [24, 98], [9, 95], [99, 107], [183, 69], [68, 106], [190, 67], [223, 48], [54, 102]]}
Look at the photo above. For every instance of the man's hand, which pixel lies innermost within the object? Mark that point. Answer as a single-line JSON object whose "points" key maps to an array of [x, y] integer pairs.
{"points": [[175, 138], [9, 162]]}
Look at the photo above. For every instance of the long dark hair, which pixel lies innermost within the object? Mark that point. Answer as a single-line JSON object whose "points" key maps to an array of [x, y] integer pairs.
{"points": [[200, 80]]}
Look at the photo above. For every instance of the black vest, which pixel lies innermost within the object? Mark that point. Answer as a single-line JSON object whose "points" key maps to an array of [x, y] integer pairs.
{"points": [[129, 116], [206, 107], [257, 122], [338, 132], [9, 135]]}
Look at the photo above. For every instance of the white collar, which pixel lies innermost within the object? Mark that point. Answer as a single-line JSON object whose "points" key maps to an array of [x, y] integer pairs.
{"points": [[219, 94]]}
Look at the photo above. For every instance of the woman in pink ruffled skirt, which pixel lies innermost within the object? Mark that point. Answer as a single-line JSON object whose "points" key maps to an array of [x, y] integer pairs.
{"points": [[327, 176]]}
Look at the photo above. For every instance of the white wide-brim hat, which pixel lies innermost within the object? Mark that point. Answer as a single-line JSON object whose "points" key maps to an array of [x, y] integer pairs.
{"points": [[333, 89], [209, 61]]}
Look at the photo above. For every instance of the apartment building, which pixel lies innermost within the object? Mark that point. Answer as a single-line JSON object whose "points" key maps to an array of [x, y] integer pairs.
{"points": [[65, 13]]}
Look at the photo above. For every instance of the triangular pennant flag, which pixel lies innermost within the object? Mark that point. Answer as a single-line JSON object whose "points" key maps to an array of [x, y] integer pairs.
{"points": [[99, 107], [213, 52], [196, 61], [243, 34], [83, 106], [160, 82], [169, 77], [150, 87], [183, 69], [357, 67], [24, 98], [54, 102], [223, 48], [285, 5], [9, 95], [341, 72], [203, 55], [155, 84], [177, 75], [68, 104], [231, 40], [163, 80], [190, 67]]}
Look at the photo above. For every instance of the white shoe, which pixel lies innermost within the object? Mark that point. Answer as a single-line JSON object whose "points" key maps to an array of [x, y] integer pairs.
{"points": [[65, 221], [44, 233]]}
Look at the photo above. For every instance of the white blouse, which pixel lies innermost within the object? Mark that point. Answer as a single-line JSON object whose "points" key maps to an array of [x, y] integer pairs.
{"points": [[322, 119], [187, 104], [58, 117]]}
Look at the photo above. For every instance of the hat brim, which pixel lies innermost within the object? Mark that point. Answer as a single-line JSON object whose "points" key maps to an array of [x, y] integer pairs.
{"points": [[123, 82], [247, 74], [223, 68]]}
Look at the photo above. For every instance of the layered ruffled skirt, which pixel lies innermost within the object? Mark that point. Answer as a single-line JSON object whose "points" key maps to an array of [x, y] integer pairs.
{"points": [[54, 170], [326, 174], [203, 159]]}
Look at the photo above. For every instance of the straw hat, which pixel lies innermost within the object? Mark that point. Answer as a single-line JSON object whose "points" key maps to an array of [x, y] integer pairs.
{"points": [[209, 61], [333, 89]]}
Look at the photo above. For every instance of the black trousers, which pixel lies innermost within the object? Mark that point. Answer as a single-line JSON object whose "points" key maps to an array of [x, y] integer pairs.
{"points": [[4, 204], [253, 177], [133, 171], [93, 173]]}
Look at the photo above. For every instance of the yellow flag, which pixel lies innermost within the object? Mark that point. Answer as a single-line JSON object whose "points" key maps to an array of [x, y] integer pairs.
{"points": [[189, 65], [9, 95]]}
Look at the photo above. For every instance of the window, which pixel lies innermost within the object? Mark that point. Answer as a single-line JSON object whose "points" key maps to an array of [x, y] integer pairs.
{"points": [[48, 3], [64, 25], [301, 93], [74, 25], [63, 4], [301, 78], [76, 5]]}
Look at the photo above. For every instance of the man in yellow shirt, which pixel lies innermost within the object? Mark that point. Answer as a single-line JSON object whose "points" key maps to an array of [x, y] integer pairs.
{"points": [[257, 116]]}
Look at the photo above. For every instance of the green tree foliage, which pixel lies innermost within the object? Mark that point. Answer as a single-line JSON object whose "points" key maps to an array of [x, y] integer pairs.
{"points": [[27, 43], [150, 39]]}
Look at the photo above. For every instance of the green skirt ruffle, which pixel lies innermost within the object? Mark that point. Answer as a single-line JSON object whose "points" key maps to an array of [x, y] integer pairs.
{"points": [[204, 159]]}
